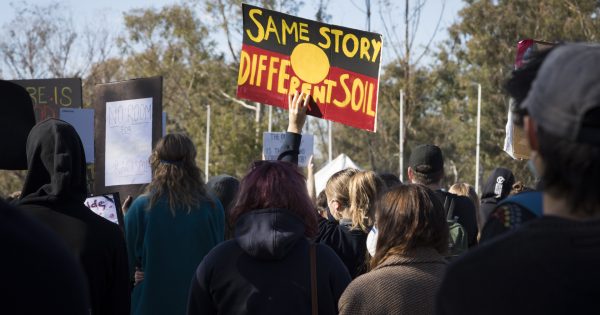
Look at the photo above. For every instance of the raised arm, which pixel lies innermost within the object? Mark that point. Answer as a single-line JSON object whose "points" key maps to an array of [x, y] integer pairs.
{"points": [[297, 106]]}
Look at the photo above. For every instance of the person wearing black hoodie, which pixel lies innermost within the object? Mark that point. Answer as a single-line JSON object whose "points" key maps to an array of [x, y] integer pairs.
{"points": [[496, 189], [54, 192], [37, 264], [265, 268]]}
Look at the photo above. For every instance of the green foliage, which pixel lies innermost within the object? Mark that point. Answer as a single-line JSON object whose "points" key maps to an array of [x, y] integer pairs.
{"points": [[482, 49], [175, 43]]}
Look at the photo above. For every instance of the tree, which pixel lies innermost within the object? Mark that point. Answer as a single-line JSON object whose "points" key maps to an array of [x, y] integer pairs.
{"points": [[482, 49], [41, 42], [173, 43]]}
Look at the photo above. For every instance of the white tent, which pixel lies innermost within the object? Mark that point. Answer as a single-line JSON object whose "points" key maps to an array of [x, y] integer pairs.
{"points": [[341, 162]]}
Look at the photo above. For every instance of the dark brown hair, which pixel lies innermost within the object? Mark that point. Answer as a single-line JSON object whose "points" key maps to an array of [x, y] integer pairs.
{"points": [[408, 217], [571, 171]]}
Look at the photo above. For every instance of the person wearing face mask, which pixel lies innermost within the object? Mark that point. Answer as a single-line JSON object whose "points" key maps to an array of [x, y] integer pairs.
{"points": [[351, 195]]}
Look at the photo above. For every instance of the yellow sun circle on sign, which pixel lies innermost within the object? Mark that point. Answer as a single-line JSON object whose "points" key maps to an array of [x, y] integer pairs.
{"points": [[310, 63]]}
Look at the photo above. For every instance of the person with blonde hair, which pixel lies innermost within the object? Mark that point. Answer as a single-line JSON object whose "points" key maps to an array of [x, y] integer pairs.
{"points": [[351, 195], [408, 264], [170, 228], [464, 189], [364, 189]]}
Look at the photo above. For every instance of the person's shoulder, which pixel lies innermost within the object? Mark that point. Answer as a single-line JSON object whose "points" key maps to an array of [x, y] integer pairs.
{"points": [[138, 206], [325, 252], [219, 257], [224, 249], [500, 254], [140, 201]]}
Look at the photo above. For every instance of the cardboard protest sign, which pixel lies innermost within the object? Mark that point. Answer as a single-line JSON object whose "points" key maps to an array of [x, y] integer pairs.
{"points": [[50, 95], [83, 122], [338, 66], [16, 121], [272, 142], [128, 124]]}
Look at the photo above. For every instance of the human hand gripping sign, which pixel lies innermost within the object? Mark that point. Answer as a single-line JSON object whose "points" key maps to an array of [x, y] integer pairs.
{"points": [[298, 104]]}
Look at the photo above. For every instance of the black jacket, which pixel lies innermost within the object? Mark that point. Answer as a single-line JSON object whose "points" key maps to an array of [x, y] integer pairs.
{"points": [[54, 192], [546, 266], [38, 274], [496, 188], [265, 270], [464, 210], [349, 245]]}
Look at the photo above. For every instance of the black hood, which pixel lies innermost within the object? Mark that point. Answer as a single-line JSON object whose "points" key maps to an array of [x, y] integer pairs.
{"points": [[498, 185], [16, 121], [56, 165], [268, 234]]}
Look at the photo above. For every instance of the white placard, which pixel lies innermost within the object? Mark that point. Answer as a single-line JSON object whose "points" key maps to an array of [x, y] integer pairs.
{"points": [[128, 142], [272, 142], [82, 119], [103, 206]]}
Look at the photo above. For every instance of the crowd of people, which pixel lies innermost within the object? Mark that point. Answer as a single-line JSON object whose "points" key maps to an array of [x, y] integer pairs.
{"points": [[367, 244]]}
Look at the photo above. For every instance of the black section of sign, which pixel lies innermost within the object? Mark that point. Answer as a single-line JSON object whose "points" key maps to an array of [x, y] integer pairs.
{"points": [[339, 59], [50, 95], [120, 91], [16, 120]]}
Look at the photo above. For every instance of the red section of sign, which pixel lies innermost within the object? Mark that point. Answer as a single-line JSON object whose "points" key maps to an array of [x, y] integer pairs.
{"points": [[344, 96]]}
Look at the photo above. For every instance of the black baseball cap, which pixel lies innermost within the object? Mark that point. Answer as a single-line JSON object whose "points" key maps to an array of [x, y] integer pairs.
{"points": [[427, 159]]}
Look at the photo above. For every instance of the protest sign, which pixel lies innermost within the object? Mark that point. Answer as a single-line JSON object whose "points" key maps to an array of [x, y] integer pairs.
{"points": [[272, 142], [515, 141], [338, 66], [83, 122], [16, 120], [50, 95], [128, 124], [107, 206]]}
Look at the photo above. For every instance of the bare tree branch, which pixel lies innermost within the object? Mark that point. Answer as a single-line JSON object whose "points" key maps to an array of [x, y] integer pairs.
{"points": [[437, 27], [240, 102]]}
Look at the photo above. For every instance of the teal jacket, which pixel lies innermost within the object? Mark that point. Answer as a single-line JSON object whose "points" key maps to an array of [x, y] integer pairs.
{"points": [[168, 248]]}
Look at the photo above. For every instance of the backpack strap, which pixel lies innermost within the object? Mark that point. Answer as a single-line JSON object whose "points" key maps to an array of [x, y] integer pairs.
{"points": [[449, 206], [530, 200], [313, 279]]}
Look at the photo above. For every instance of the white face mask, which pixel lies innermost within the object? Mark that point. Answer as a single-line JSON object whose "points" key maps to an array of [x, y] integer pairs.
{"points": [[372, 241]]}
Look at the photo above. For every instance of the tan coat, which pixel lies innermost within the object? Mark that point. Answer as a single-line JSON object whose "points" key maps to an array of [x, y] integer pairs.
{"points": [[400, 285]]}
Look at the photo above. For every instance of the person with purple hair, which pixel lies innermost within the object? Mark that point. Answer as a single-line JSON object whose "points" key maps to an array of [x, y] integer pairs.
{"points": [[267, 268]]}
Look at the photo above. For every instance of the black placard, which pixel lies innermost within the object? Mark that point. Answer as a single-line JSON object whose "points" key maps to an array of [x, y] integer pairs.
{"points": [[50, 95], [121, 91]]}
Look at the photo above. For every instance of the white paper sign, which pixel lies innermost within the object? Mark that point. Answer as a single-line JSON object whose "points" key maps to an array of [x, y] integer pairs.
{"points": [[103, 206], [128, 142], [83, 122], [272, 142]]}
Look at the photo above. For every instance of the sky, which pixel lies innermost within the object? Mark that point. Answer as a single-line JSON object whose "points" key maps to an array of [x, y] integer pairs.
{"points": [[348, 13]]}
